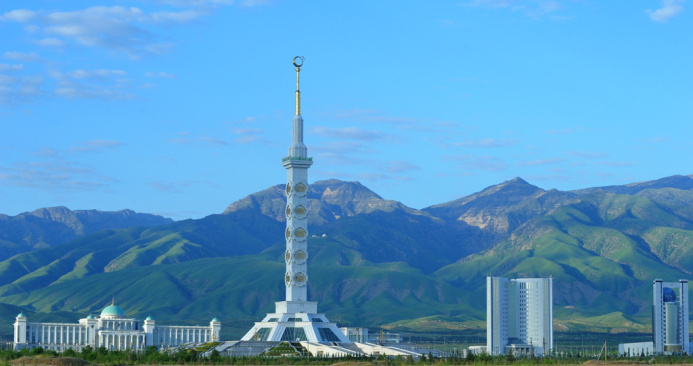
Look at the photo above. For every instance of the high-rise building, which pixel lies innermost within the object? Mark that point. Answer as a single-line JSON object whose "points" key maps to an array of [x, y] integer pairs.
{"points": [[519, 316], [296, 319], [670, 333]]}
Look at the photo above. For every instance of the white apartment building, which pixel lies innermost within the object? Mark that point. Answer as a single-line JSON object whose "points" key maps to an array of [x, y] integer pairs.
{"points": [[519, 316]]}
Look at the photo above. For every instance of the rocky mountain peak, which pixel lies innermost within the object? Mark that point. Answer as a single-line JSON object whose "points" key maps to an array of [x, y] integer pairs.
{"points": [[340, 192], [51, 226], [328, 200], [501, 208]]}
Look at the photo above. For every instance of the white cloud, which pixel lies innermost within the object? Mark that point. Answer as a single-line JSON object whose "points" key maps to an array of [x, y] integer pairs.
{"points": [[353, 133], [19, 15], [401, 166], [485, 163], [492, 3], [92, 84], [117, 28], [247, 135], [21, 56], [344, 147], [185, 139], [54, 173], [90, 93], [587, 154], [532, 8], [371, 115], [95, 74], [51, 42], [6, 67], [541, 162], [17, 89], [177, 187], [487, 143], [196, 3], [668, 10], [127, 30], [96, 146]]}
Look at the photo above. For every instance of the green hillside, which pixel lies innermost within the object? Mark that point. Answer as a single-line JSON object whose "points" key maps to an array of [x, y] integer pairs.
{"points": [[375, 262], [246, 287], [603, 253], [114, 250]]}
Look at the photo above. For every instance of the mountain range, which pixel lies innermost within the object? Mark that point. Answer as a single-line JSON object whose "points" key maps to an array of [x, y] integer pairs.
{"points": [[373, 262]]}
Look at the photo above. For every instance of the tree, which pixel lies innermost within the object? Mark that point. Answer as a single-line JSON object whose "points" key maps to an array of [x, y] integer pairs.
{"points": [[69, 353], [509, 356], [470, 356]]}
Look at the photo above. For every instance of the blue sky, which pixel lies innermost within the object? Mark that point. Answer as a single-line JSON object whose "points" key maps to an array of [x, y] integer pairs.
{"points": [[181, 107]]}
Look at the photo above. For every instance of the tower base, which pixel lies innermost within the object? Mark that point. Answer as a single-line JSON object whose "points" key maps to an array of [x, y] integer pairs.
{"points": [[295, 321]]}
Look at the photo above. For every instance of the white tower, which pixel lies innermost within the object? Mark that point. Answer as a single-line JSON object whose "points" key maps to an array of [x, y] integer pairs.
{"points": [[670, 328], [296, 319], [297, 164], [20, 336], [519, 315]]}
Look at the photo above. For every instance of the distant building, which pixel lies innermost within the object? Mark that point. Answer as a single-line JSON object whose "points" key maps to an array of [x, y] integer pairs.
{"points": [[475, 350], [354, 334], [112, 330], [636, 349], [519, 316], [670, 333], [362, 335]]}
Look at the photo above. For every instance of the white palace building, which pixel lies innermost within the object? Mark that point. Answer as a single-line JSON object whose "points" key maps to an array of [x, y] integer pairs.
{"points": [[112, 330]]}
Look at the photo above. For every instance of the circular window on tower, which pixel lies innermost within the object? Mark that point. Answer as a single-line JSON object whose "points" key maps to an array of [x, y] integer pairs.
{"points": [[300, 233], [288, 188], [300, 210], [300, 278], [288, 211], [287, 233], [287, 278], [300, 255], [287, 256], [301, 188]]}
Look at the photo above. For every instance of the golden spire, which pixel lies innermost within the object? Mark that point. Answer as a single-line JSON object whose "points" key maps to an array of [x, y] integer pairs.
{"points": [[298, 62]]}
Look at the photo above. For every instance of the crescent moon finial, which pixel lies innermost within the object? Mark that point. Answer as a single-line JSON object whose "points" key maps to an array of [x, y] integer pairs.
{"points": [[297, 59]]}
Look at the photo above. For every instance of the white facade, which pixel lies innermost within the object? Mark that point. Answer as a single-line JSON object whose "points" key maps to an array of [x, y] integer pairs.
{"points": [[356, 334], [519, 315], [112, 330], [636, 349], [296, 319], [670, 327]]}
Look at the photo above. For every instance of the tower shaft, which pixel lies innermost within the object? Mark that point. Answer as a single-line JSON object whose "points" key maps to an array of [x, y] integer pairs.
{"points": [[297, 164], [296, 318]]}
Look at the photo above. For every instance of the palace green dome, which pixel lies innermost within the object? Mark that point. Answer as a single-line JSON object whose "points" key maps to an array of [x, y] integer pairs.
{"points": [[112, 310]]}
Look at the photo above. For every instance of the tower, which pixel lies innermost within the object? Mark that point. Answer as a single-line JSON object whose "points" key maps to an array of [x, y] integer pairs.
{"points": [[519, 315], [296, 318], [670, 330], [20, 334], [496, 315], [297, 163]]}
